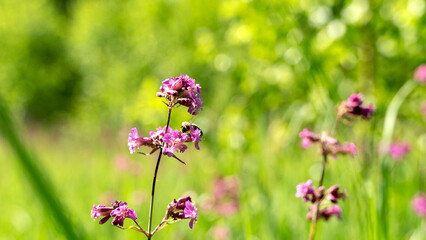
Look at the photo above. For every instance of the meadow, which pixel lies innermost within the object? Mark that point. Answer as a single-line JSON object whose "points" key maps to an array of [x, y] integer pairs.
{"points": [[77, 76]]}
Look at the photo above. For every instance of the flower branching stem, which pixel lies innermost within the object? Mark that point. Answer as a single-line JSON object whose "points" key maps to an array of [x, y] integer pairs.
{"points": [[151, 205]]}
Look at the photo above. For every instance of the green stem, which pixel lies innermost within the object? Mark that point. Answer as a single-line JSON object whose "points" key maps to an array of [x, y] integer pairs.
{"points": [[317, 204], [388, 128], [151, 205], [392, 111]]}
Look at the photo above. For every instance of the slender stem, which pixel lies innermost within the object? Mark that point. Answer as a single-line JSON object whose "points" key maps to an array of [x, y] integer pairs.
{"points": [[317, 204], [324, 162], [151, 205], [336, 125], [392, 111]]}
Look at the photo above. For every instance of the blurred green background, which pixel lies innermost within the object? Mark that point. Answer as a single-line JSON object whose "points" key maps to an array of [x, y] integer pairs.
{"points": [[78, 75]]}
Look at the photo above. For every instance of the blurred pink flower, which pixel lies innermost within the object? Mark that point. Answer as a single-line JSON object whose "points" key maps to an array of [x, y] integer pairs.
{"points": [[308, 137], [420, 74], [423, 108], [352, 107], [121, 163], [225, 196], [220, 232], [398, 150], [419, 204], [325, 213], [328, 144]]}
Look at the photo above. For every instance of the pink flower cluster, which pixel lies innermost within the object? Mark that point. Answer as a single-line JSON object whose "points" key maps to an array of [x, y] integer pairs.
{"points": [[329, 145], [308, 193], [119, 211], [352, 107], [172, 140], [182, 90], [182, 209]]}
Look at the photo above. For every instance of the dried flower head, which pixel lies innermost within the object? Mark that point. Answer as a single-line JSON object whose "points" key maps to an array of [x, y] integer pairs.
{"points": [[182, 90]]}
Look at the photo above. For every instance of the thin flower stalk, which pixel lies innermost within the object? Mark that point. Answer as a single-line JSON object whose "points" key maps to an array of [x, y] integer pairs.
{"points": [[151, 205]]}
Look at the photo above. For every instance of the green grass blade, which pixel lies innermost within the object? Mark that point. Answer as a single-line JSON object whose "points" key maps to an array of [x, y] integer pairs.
{"points": [[37, 178]]}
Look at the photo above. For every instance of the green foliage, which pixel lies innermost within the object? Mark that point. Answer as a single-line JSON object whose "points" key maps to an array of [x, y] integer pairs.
{"points": [[79, 74]]}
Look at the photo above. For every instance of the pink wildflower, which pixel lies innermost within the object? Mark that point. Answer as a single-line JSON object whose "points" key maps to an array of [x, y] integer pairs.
{"points": [[118, 210], [420, 74], [182, 209], [122, 212], [182, 90], [191, 212], [398, 150], [352, 107], [303, 190], [419, 204]]}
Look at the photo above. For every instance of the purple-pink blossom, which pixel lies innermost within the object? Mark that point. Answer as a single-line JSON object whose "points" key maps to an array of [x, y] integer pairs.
{"points": [[320, 203], [308, 137], [119, 210], [303, 190], [122, 212], [191, 212], [196, 135], [132, 142], [328, 212], [329, 145], [352, 107], [184, 91], [398, 150], [135, 141], [182, 209], [349, 148], [419, 204], [354, 100], [170, 140], [333, 194], [325, 213], [420, 74]]}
